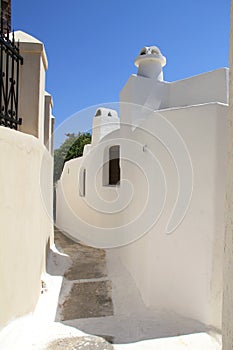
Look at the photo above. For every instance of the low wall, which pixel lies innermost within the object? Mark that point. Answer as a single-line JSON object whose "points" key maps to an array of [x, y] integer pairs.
{"points": [[26, 224]]}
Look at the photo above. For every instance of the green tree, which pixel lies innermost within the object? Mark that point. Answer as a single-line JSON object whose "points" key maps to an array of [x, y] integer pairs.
{"points": [[71, 148]]}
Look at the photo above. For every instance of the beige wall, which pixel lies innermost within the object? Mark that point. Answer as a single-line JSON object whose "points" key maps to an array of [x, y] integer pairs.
{"points": [[26, 188], [26, 224], [32, 85], [228, 267]]}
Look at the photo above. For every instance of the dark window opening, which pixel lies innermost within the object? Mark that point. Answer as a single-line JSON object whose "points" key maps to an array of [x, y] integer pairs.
{"points": [[114, 165], [98, 113]]}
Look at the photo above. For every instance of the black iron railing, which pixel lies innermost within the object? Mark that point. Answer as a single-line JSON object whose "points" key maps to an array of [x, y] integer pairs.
{"points": [[10, 61]]}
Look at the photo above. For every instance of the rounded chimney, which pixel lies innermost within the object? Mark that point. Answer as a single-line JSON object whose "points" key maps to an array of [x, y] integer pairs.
{"points": [[150, 62]]}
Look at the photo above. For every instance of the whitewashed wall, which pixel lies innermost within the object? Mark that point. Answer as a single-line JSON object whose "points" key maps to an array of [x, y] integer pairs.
{"points": [[26, 224], [26, 189], [182, 271]]}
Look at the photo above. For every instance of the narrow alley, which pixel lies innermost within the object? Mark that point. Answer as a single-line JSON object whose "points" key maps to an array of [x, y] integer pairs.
{"points": [[89, 301], [99, 297]]}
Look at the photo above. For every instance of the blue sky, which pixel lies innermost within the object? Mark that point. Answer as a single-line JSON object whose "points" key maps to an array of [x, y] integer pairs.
{"points": [[91, 44]]}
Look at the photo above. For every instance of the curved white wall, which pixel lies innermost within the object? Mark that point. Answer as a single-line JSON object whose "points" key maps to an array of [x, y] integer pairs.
{"points": [[26, 220], [182, 271]]}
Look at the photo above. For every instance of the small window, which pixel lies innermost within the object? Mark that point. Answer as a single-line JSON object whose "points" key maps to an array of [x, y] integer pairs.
{"points": [[82, 182], [114, 165]]}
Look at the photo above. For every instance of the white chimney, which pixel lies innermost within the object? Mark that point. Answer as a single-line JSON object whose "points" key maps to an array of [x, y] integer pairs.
{"points": [[150, 62]]}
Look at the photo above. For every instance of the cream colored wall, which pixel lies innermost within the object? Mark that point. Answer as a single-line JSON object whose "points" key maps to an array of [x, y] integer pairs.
{"points": [[26, 188], [228, 244], [26, 225], [32, 84]]}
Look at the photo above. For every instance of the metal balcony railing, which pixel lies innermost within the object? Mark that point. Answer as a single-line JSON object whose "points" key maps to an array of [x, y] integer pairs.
{"points": [[10, 61]]}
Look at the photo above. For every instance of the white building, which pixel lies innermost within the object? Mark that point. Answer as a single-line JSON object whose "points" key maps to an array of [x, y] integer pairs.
{"points": [[26, 186], [155, 178]]}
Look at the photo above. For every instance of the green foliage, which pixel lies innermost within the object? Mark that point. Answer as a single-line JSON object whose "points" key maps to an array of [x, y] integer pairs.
{"points": [[71, 148]]}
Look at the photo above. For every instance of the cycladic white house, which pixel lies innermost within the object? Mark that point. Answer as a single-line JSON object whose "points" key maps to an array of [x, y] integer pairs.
{"points": [[151, 185]]}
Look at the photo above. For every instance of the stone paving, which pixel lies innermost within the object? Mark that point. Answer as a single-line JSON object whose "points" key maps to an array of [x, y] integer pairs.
{"points": [[87, 262], [88, 299], [85, 292], [80, 343]]}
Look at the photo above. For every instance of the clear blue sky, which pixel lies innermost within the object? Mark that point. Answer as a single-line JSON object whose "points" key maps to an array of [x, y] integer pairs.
{"points": [[91, 44]]}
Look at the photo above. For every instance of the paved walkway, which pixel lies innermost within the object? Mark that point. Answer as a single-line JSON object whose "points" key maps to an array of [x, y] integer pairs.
{"points": [[86, 292]]}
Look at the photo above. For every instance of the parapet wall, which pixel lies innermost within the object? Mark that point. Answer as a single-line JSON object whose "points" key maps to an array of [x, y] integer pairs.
{"points": [[26, 224]]}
